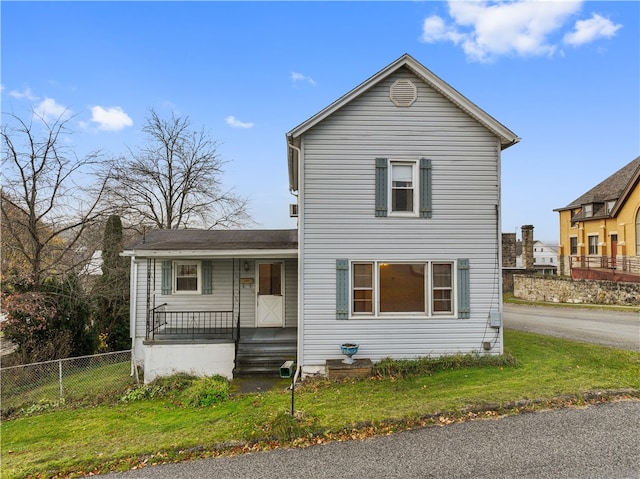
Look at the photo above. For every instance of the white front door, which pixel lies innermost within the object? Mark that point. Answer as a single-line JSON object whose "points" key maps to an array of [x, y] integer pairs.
{"points": [[270, 304]]}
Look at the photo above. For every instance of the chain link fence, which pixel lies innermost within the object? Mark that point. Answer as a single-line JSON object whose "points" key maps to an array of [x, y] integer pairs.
{"points": [[85, 378]]}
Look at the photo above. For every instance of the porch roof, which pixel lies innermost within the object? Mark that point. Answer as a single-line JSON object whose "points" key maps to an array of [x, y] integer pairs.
{"points": [[216, 243]]}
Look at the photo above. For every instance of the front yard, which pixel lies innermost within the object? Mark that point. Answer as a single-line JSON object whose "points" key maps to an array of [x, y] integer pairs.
{"points": [[550, 372]]}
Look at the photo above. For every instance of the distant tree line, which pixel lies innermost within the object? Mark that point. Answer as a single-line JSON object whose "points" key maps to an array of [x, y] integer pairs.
{"points": [[57, 210]]}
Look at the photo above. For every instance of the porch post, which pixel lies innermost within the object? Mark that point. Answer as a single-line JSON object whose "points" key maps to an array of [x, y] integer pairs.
{"points": [[233, 291], [148, 310]]}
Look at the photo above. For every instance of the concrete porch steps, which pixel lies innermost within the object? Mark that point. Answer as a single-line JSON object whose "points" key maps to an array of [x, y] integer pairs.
{"points": [[262, 351]]}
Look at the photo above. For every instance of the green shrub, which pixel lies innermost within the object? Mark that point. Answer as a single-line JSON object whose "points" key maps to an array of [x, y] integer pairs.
{"points": [[144, 391], [425, 366], [41, 406], [166, 386], [206, 392], [175, 383]]}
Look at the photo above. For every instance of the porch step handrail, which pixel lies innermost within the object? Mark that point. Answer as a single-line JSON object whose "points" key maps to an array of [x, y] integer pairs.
{"points": [[155, 318], [217, 324]]}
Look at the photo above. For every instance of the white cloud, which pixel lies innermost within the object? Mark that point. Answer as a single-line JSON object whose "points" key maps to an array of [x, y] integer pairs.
{"points": [[26, 93], [233, 122], [586, 31], [110, 119], [299, 77], [48, 109], [486, 30]]}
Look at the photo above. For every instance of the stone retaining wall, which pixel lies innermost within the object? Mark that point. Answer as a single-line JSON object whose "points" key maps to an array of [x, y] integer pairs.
{"points": [[567, 290]]}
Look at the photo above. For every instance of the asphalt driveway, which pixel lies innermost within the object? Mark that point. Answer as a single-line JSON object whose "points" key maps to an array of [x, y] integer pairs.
{"points": [[599, 326]]}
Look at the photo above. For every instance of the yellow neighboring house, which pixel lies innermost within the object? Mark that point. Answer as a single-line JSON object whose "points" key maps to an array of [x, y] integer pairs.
{"points": [[600, 230]]}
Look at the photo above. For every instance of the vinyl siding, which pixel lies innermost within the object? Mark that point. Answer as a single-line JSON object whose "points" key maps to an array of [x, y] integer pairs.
{"points": [[291, 293], [337, 220]]}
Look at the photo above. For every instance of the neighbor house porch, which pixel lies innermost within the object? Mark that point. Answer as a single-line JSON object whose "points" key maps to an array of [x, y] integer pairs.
{"points": [[606, 268]]}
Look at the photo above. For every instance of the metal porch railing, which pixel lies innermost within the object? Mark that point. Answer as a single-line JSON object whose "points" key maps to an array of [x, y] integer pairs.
{"points": [[627, 264], [191, 324]]}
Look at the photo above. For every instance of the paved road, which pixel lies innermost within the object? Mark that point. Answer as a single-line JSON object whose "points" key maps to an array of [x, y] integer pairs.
{"points": [[609, 328], [601, 441]]}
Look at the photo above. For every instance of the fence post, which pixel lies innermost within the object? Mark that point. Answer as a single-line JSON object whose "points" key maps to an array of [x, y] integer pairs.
{"points": [[60, 378]]}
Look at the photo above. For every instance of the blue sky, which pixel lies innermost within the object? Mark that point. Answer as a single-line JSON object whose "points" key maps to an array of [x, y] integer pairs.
{"points": [[564, 76]]}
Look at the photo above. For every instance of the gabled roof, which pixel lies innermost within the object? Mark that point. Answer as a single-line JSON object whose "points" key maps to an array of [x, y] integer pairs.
{"points": [[214, 241], [617, 187], [506, 136]]}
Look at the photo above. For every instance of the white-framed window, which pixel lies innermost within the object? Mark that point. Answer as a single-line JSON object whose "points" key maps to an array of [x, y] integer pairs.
{"points": [[383, 289], [186, 277], [362, 281], [403, 197], [442, 287], [593, 244], [403, 188]]}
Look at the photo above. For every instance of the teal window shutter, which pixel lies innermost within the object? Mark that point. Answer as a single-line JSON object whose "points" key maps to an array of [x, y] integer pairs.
{"points": [[425, 188], [464, 296], [207, 277], [166, 277], [382, 169], [342, 289]]}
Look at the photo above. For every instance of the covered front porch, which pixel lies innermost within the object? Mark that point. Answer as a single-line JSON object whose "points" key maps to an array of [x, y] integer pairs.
{"points": [[215, 302]]}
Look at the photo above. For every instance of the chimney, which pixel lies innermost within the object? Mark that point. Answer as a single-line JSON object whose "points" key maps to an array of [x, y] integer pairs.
{"points": [[508, 250], [527, 247]]}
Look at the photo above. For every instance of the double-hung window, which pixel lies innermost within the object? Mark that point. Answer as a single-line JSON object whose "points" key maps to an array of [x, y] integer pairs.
{"points": [[382, 289], [593, 244], [187, 277], [403, 190], [363, 288], [573, 245], [442, 286]]}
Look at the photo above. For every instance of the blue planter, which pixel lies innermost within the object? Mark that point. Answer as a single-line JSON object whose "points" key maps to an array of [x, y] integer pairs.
{"points": [[348, 349]]}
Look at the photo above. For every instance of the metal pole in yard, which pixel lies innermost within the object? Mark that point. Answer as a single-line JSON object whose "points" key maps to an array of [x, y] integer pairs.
{"points": [[60, 378], [293, 389]]}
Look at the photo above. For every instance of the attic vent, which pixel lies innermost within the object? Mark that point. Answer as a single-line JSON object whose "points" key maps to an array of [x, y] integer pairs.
{"points": [[403, 93]]}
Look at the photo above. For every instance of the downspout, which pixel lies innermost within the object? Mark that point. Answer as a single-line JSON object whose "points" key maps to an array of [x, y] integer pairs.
{"points": [[300, 264], [295, 376], [299, 151]]}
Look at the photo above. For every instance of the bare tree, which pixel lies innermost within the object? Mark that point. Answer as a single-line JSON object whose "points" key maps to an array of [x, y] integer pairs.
{"points": [[174, 181], [46, 202]]}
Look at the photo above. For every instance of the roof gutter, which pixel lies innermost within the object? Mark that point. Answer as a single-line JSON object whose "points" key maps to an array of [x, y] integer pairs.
{"points": [[504, 146]]}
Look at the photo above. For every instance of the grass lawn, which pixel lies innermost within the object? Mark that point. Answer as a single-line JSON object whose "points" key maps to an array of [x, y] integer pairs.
{"points": [[118, 436]]}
